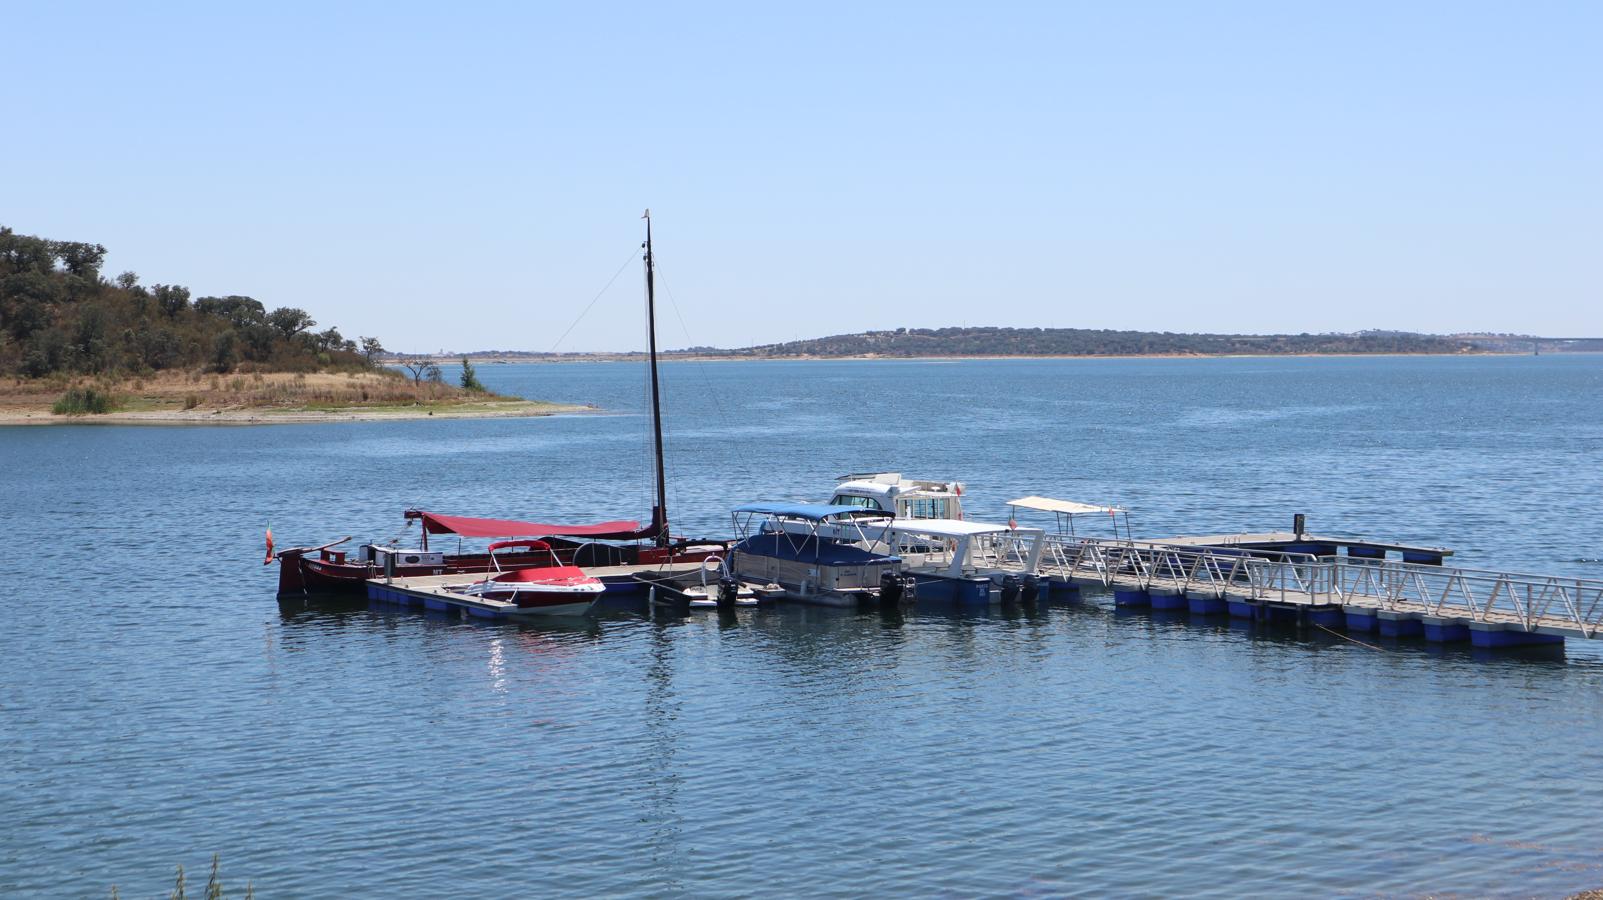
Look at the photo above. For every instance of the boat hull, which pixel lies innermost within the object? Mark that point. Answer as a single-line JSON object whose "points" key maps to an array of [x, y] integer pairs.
{"points": [[301, 572], [539, 600], [555, 609], [812, 582]]}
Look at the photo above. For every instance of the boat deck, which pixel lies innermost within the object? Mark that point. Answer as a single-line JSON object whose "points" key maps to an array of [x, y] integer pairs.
{"points": [[1313, 544]]}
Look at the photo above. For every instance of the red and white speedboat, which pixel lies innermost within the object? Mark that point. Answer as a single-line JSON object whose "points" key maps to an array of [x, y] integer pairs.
{"points": [[548, 590]]}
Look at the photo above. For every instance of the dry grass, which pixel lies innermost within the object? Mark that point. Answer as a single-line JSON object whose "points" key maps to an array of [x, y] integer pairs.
{"points": [[278, 390]]}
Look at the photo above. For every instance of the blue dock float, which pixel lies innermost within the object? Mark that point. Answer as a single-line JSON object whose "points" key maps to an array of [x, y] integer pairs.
{"points": [[1062, 591], [967, 591], [1241, 609], [1207, 605], [1162, 599], [1497, 634], [1425, 557], [1400, 624], [1365, 551], [1328, 616], [1362, 619], [1443, 630], [1281, 614], [1127, 597]]}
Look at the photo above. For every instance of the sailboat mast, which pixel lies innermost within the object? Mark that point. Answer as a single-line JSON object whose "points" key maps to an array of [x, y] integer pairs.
{"points": [[660, 514]]}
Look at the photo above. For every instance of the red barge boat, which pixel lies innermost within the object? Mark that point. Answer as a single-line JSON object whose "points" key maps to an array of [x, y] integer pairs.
{"points": [[324, 569]]}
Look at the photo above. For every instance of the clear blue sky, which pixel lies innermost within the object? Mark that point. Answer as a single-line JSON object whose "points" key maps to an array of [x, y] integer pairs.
{"points": [[468, 177]]}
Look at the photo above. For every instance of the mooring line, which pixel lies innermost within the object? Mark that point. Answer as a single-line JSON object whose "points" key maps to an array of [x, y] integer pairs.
{"points": [[1346, 638]]}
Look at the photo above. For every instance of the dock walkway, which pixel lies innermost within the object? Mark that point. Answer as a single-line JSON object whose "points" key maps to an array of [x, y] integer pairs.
{"points": [[1313, 545], [1393, 597]]}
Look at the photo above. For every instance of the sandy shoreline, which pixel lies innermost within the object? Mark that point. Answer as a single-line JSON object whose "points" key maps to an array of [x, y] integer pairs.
{"points": [[271, 416]]}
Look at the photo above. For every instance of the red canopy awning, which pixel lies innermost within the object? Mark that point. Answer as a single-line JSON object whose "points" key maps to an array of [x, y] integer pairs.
{"points": [[467, 526]]}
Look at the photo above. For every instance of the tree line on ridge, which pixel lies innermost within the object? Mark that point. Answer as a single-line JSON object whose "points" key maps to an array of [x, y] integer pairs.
{"points": [[59, 315]]}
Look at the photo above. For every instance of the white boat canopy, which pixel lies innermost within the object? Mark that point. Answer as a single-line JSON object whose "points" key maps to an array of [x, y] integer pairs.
{"points": [[1066, 510], [1023, 546], [1069, 507], [951, 528]]}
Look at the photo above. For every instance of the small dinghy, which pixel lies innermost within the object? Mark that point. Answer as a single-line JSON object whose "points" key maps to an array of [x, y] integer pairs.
{"points": [[709, 587]]}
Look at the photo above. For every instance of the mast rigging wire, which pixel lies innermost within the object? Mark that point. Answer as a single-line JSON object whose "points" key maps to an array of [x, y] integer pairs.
{"points": [[627, 260]]}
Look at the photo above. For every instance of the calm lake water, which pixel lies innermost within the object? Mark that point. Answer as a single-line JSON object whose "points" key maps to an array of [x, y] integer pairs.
{"points": [[159, 706]]}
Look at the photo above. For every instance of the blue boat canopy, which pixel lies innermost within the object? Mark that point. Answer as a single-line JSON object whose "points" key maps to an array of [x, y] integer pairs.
{"points": [[816, 512], [818, 551]]}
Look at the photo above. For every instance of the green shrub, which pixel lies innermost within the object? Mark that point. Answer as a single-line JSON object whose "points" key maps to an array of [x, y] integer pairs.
{"points": [[84, 401], [470, 378]]}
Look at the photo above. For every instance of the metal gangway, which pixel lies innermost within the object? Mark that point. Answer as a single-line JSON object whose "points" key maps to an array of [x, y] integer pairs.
{"points": [[1535, 603]]}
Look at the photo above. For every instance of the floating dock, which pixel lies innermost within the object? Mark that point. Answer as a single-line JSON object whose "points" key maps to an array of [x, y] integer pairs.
{"points": [[1396, 598], [1270, 542], [1260, 577]]}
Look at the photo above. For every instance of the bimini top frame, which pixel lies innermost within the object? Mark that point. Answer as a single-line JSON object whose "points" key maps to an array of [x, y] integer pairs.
{"points": [[1066, 510], [851, 529]]}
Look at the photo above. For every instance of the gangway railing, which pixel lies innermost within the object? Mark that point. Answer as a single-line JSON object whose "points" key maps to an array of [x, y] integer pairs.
{"points": [[1548, 602]]}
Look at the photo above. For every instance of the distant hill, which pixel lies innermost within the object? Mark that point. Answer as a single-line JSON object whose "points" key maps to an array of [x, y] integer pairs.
{"points": [[1526, 343], [937, 342], [912, 342], [909, 343]]}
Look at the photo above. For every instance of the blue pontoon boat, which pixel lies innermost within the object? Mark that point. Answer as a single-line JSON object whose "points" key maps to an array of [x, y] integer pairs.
{"points": [[816, 553]]}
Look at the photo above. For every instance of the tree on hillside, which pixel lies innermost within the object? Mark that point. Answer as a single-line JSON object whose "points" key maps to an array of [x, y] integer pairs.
{"points": [[224, 353], [331, 340], [80, 259], [59, 316], [25, 253], [171, 299], [470, 378], [422, 370], [290, 321], [371, 348], [239, 311], [259, 339]]}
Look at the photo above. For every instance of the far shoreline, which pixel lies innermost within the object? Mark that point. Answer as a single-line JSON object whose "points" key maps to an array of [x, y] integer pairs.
{"points": [[258, 398], [670, 357], [511, 409]]}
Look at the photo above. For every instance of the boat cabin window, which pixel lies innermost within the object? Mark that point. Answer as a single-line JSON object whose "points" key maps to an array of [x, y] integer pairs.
{"points": [[926, 508], [848, 500]]}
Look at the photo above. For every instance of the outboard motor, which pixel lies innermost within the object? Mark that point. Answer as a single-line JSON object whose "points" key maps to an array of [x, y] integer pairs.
{"points": [[1011, 584], [1030, 592], [728, 592], [895, 590]]}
